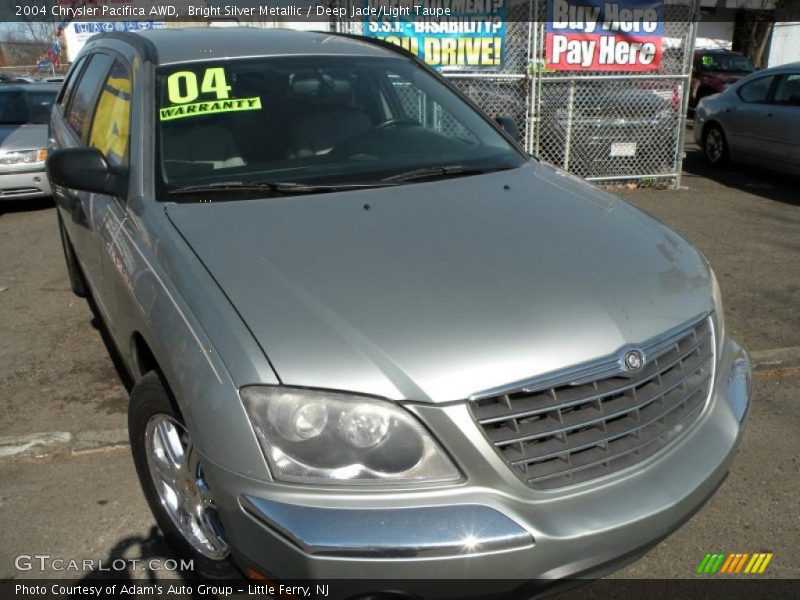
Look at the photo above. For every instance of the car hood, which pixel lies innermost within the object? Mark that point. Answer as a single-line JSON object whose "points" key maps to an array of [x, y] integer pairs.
{"points": [[435, 291], [23, 137]]}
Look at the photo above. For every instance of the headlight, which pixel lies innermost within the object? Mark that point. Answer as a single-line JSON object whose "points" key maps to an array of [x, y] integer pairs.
{"points": [[328, 437], [23, 157], [719, 316]]}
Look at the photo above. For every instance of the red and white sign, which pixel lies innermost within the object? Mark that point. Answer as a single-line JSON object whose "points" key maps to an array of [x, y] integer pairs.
{"points": [[604, 35]]}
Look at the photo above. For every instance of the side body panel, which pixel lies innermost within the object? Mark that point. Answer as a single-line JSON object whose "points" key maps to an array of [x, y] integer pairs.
{"points": [[152, 287]]}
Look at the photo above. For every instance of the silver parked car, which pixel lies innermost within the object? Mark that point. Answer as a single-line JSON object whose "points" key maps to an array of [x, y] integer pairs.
{"points": [[756, 120], [370, 337], [24, 115]]}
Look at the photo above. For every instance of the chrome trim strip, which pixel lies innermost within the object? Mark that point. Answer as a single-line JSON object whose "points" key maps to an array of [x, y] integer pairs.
{"points": [[601, 368], [455, 530]]}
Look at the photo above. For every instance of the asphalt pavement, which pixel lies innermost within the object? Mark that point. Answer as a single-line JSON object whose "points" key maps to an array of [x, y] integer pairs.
{"points": [[67, 483]]}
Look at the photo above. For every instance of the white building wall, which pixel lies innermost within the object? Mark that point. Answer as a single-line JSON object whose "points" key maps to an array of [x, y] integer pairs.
{"points": [[785, 45], [715, 34]]}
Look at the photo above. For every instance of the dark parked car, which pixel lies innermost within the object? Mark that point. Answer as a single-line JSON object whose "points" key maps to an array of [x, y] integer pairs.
{"points": [[714, 70], [597, 131]]}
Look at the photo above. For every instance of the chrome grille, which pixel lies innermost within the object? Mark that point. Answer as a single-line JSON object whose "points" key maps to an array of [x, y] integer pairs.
{"points": [[570, 429]]}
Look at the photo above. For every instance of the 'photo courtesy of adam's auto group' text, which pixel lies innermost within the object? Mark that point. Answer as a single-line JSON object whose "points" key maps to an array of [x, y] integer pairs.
{"points": [[399, 299]]}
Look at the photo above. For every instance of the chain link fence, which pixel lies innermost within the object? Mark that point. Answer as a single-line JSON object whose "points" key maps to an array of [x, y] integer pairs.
{"points": [[615, 126], [604, 126], [499, 92], [504, 92]]}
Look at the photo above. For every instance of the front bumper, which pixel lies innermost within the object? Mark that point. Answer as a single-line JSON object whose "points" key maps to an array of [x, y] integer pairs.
{"points": [[492, 527], [24, 185]]}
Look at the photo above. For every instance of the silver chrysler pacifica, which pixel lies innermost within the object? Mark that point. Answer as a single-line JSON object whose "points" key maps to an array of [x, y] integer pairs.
{"points": [[371, 338]]}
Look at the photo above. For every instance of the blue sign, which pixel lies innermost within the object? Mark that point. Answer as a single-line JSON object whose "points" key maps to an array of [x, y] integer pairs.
{"points": [[473, 38], [109, 26]]}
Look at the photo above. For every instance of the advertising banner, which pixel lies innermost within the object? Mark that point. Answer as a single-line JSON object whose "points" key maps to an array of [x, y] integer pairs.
{"points": [[465, 35], [604, 35]]}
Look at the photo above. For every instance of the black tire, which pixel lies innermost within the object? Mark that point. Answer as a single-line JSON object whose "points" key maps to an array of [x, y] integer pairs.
{"points": [[715, 146], [76, 280], [149, 398]]}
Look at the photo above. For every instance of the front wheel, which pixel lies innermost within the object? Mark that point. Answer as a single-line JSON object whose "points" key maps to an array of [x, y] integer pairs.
{"points": [[715, 146], [173, 480]]}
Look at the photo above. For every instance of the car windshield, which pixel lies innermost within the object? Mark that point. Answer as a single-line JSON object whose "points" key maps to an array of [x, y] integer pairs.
{"points": [[18, 107], [315, 121], [728, 63]]}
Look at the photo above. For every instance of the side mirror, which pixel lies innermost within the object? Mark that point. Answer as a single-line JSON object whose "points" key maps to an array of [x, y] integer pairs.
{"points": [[508, 125], [85, 169]]}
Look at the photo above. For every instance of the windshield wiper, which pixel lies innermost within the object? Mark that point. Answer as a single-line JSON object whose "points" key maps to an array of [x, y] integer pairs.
{"points": [[276, 187], [441, 173], [312, 188], [225, 186]]}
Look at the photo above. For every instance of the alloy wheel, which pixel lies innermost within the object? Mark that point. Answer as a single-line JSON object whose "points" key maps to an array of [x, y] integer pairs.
{"points": [[182, 489], [715, 145]]}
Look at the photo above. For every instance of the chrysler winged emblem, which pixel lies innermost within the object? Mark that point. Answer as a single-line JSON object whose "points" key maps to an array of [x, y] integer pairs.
{"points": [[633, 360]]}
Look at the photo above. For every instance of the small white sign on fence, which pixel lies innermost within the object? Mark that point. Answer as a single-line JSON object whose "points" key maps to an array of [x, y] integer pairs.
{"points": [[623, 149]]}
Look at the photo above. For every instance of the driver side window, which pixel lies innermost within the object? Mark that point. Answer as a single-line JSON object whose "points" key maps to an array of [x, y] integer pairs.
{"points": [[788, 90], [110, 130]]}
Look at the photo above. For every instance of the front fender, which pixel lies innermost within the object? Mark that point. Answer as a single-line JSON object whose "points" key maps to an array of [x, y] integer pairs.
{"points": [[201, 346]]}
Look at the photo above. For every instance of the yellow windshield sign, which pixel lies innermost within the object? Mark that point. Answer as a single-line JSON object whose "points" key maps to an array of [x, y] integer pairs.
{"points": [[184, 88], [195, 109]]}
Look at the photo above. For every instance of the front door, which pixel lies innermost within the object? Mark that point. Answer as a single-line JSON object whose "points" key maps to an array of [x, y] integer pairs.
{"points": [[782, 127], [71, 130]]}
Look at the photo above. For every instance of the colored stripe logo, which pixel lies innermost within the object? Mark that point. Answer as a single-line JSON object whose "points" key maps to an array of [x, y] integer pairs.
{"points": [[734, 563]]}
